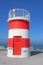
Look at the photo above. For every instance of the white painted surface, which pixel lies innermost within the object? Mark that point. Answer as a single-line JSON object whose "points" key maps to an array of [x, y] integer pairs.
{"points": [[20, 18], [25, 52], [17, 56], [18, 32], [9, 51]]}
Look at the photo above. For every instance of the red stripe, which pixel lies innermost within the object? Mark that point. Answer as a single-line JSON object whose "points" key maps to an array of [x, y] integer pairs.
{"points": [[23, 40], [22, 24], [10, 42]]}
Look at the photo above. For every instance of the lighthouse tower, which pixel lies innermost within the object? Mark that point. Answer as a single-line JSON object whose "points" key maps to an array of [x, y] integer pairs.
{"points": [[18, 33]]}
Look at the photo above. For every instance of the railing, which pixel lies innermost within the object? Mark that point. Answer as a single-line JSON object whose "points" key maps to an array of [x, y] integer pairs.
{"points": [[19, 13]]}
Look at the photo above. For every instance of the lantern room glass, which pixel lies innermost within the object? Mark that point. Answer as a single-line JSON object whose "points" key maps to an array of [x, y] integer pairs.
{"points": [[19, 13]]}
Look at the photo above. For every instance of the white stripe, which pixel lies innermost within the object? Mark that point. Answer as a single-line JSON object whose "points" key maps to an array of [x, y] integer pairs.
{"points": [[16, 18], [18, 32]]}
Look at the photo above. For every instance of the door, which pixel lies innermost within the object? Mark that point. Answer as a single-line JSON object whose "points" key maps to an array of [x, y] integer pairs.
{"points": [[16, 45]]}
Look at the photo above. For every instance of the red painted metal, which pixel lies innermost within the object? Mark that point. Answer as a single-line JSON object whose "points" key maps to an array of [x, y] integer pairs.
{"points": [[19, 23]]}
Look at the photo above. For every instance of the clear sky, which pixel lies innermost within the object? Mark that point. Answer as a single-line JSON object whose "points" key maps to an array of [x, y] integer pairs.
{"points": [[36, 11]]}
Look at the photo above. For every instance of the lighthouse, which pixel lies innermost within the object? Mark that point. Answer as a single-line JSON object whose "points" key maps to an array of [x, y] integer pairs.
{"points": [[18, 33]]}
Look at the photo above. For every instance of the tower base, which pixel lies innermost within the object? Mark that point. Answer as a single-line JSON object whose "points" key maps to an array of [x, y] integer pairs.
{"points": [[25, 53]]}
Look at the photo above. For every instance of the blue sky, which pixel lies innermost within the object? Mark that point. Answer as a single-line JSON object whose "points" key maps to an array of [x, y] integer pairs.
{"points": [[36, 11]]}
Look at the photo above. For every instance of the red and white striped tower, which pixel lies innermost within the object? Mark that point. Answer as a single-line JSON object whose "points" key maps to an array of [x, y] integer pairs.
{"points": [[18, 36]]}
